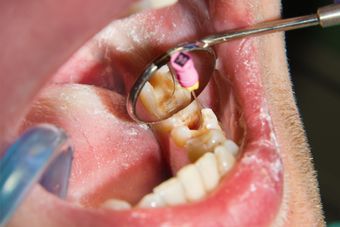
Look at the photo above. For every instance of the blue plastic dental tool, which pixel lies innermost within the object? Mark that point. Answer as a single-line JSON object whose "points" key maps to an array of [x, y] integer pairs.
{"points": [[40, 154]]}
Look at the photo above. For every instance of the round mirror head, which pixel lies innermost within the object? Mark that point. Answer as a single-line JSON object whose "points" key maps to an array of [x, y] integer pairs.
{"points": [[170, 83]]}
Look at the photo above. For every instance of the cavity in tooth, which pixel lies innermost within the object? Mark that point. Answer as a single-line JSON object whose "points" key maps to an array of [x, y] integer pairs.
{"points": [[116, 204], [181, 135], [225, 160], [152, 201], [231, 147], [206, 142], [192, 183], [160, 95], [171, 191], [207, 167], [209, 119]]}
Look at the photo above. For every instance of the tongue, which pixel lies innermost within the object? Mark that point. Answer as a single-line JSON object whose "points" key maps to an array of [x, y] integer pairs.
{"points": [[114, 157]]}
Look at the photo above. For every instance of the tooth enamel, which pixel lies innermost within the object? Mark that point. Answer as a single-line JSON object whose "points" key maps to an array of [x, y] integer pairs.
{"points": [[206, 142], [151, 201], [207, 167], [209, 119], [192, 183], [231, 147], [171, 191], [181, 135], [225, 160], [116, 204], [160, 95]]}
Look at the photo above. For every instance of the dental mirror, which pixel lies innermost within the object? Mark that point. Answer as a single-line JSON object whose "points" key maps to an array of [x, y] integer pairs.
{"points": [[173, 80], [162, 92]]}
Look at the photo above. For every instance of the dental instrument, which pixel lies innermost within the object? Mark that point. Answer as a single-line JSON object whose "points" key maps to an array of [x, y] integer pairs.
{"points": [[42, 154], [203, 57]]}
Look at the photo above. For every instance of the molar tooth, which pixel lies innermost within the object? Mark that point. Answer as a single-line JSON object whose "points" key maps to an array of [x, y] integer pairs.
{"points": [[207, 167], [192, 183], [209, 119], [116, 204], [151, 200], [231, 147], [181, 135], [225, 160], [171, 191], [203, 143]]}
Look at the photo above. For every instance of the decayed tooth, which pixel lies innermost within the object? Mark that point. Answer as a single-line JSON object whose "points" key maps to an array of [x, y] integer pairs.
{"points": [[181, 135], [161, 96], [186, 117], [225, 160], [192, 183], [203, 143], [231, 147], [207, 167], [171, 191], [151, 201], [116, 204], [149, 100]]}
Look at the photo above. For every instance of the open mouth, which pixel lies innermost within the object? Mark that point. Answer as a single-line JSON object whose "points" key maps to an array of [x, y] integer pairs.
{"points": [[216, 167]]}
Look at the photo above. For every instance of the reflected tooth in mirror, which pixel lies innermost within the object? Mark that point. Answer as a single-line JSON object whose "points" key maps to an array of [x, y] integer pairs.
{"points": [[160, 96], [171, 191], [148, 99], [203, 143], [207, 167], [151, 201], [231, 147], [116, 204], [225, 160], [192, 182]]}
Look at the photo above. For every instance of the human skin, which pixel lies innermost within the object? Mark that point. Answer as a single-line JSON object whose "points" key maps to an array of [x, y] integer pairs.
{"points": [[21, 84]]}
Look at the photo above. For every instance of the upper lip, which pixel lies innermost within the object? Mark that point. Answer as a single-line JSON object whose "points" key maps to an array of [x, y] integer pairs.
{"points": [[256, 184]]}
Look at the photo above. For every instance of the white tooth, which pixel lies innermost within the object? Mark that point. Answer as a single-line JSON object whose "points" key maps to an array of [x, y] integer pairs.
{"points": [[231, 147], [116, 204], [163, 3], [151, 201], [192, 182], [225, 160], [207, 167], [181, 135], [209, 119], [171, 191]]}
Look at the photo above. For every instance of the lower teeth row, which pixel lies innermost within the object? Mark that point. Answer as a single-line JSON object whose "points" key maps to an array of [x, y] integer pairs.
{"points": [[211, 154], [213, 159]]}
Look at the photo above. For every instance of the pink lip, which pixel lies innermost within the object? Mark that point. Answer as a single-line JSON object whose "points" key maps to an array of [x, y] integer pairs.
{"points": [[250, 195]]}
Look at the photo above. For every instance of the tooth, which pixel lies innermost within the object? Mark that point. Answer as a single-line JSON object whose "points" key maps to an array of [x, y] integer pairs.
{"points": [[206, 142], [231, 147], [149, 100], [171, 191], [192, 183], [160, 97], [151, 201], [225, 160], [209, 119], [207, 167], [187, 117], [181, 135], [116, 204]]}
